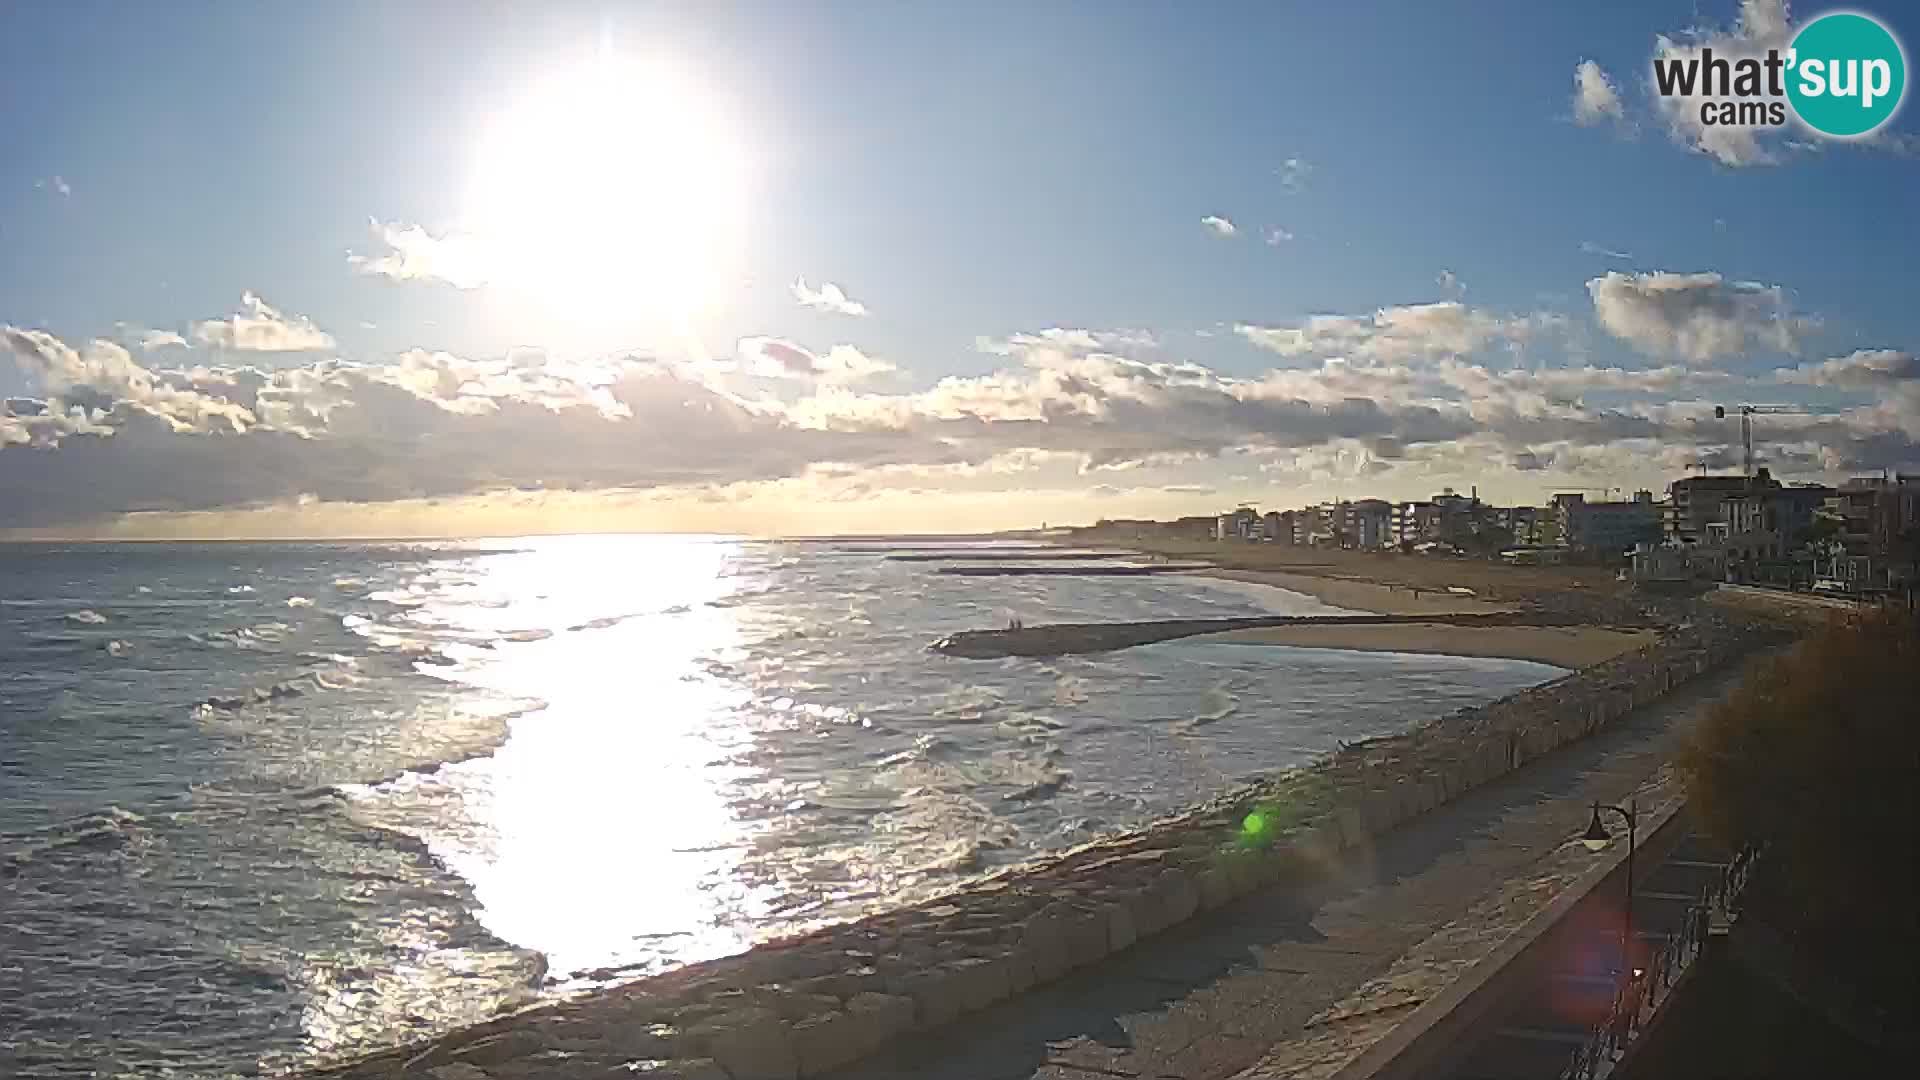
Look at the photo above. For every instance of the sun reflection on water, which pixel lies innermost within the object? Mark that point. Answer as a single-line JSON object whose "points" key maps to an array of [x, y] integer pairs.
{"points": [[600, 833]]}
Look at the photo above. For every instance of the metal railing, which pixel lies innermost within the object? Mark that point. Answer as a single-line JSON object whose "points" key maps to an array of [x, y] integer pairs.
{"points": [[1645, 990]]}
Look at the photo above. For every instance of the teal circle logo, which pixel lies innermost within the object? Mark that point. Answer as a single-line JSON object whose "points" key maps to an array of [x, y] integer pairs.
{"points": [[1846, 74]]}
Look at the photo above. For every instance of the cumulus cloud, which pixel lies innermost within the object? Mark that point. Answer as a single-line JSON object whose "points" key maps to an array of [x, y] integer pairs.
{"points": [[106, 435], [414, 254], [1276, 236], [774, 358], [1400, 333], [1595, 98], [91, 389], [828, 297], [262, 328], [1218, 226], [153, 340], [1698, 317]]}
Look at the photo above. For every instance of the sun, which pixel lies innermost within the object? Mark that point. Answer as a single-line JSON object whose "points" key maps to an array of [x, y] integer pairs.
{"points": [[613, 190]]}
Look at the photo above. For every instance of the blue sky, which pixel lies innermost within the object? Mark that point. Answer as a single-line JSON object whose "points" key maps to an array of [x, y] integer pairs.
{"points": [[964, 172]]}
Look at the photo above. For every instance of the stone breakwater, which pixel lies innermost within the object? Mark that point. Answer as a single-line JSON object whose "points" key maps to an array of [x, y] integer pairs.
{"points": [[1054, 639], [805, 1006]]}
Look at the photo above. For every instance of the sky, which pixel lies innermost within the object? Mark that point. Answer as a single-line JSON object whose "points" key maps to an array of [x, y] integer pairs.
{"points": [[280, 269]]}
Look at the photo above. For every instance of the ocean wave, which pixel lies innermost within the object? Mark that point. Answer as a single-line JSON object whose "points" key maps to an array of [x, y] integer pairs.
{"points": [[969, 704], [262, 637], [299, 601], [1217, 703], [298, 686], [118, 647], [86, 617], [111, 829], [240, 590]]}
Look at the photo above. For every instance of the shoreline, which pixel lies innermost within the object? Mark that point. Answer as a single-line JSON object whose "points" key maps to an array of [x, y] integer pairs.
{"points": [[1370, 597], [1569, 647], [805, 1006]]}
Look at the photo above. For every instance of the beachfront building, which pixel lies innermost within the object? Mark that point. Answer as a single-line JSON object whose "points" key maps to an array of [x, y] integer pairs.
{"points": [[1528, 525], [1240, 524], [1415, 522], [1696, 502], [1768, 525], [1610, 527], [1369, 523], [1277, 527], [1879, 528]]}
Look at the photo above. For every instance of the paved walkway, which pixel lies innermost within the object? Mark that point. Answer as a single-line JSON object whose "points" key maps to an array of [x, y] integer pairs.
{"points": [[1285, 984]]}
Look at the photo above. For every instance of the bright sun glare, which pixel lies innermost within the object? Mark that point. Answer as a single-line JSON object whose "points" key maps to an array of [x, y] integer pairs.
{"points": [[612, 190]]}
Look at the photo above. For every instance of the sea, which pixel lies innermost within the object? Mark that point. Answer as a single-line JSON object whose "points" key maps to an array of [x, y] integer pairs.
{"points": [[265, 805]]}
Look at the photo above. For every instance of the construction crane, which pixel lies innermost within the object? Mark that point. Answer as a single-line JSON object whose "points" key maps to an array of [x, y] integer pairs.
{"points": [[1747, 413]]}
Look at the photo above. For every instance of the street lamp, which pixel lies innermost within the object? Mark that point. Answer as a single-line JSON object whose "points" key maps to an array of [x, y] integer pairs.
{"points": [[1596, 839]]}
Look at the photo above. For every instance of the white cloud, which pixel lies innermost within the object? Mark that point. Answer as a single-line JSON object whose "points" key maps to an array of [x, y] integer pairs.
{"points": [[1595, 98], [113, 436], [262, 328], [1697, 317], [94, 383], [1276, 236], [152, 340], [773, 358], [1410, 331], [828, 297], [1450, 283], [1862, 369], [414, 254], [1219, 226], [1293, 173], [1590, 248]]}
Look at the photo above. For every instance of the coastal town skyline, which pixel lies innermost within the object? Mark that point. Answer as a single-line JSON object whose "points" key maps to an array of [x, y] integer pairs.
{"points": [[605, 267]]}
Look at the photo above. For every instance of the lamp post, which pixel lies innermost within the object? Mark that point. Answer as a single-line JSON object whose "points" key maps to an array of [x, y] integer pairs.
{"points": [[1596, 839]]}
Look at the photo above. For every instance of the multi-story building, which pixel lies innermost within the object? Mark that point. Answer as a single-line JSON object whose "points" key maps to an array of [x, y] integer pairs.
{"points": [[1526, 524], [1768, 524], [1415, 522], [1368, 524], [1879, 518], [1608, 526], [1241, 524], [1278, 527], [1697, 502]]}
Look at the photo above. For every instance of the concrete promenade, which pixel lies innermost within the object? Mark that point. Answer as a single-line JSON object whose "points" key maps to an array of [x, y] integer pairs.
{"points": [[1293, 985]]}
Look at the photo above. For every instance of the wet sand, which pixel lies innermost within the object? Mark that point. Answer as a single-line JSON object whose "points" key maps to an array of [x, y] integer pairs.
{"points": [[1562, 646], [1369, 596]]}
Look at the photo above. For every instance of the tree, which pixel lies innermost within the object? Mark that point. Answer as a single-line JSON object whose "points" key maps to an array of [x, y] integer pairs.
{"points": [[1817, 755]]}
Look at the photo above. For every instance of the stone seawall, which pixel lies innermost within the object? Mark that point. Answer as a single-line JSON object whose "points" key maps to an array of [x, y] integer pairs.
{"points": [[808, 1005]]}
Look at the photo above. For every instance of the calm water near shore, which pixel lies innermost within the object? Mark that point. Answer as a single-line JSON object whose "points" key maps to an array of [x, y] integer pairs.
{"points": [[266, 802]]}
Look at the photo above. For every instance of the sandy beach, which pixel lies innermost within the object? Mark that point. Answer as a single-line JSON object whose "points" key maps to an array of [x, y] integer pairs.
{"points": [[1561, 646], [1369, 596]]}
